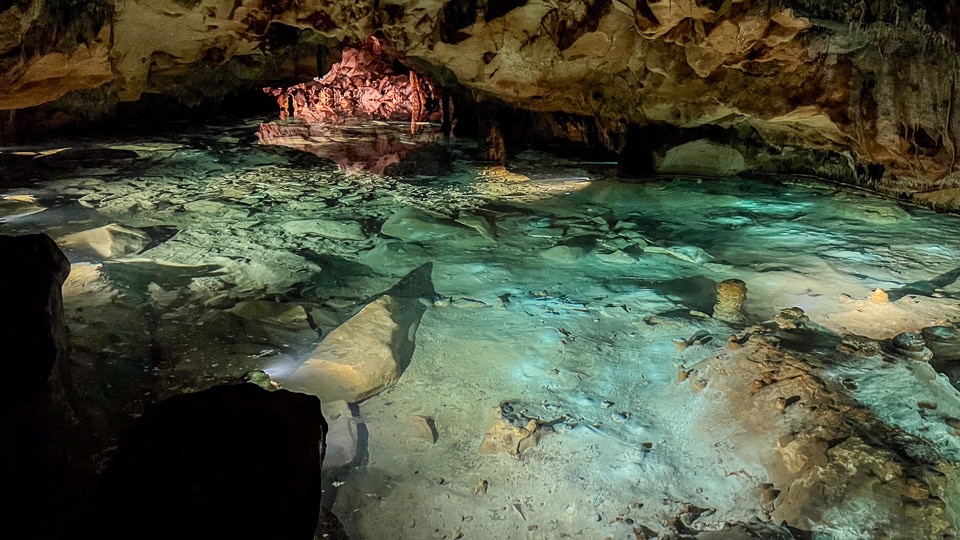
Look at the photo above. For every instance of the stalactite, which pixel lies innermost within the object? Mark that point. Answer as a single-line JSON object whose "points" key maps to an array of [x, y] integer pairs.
{"points": [[949, 127]]}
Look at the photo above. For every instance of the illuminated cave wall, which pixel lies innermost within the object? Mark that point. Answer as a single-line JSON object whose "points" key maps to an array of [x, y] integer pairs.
{"points": [[872, 83]]}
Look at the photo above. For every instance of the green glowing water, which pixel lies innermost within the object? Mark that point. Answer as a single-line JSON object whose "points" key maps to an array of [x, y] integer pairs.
{"points": [[200, 255]]}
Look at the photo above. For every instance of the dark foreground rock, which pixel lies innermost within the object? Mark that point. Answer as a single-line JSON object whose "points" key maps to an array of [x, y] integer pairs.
{"points": [[34, 473], [233, 461], [31, 322]]}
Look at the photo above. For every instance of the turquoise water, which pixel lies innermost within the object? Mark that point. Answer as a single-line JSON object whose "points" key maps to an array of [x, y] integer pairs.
{"points": [[200, 255]]}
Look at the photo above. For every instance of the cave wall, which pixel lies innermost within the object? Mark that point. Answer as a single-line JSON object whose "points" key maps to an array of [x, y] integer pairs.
{"points": [[873, 81]]}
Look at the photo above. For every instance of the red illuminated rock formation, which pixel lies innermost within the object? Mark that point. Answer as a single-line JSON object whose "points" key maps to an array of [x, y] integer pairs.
{"points": [[363, 85]]}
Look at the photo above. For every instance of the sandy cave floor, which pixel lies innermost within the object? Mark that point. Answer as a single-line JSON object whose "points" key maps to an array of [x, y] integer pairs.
{"points": [[560, 290]]}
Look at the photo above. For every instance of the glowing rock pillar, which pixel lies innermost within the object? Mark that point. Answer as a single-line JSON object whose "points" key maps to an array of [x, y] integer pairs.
{"points": [[731, 294]]}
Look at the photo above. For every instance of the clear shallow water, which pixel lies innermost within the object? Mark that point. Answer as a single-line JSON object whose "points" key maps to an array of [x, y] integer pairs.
{"points": [[560, 290]]}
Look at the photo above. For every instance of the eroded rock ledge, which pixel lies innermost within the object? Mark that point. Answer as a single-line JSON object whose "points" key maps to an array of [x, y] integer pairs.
{"points": [[874, 82]]}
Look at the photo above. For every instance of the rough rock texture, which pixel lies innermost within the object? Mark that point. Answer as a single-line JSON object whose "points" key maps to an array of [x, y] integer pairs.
{"points": [[822, 451], [343, 435], [511, 439], [107, 242], [362, 85], [873, 81], [731, 294]]}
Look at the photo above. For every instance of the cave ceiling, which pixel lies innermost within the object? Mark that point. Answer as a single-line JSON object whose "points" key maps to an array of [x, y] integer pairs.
{"points": [[874, 80]]}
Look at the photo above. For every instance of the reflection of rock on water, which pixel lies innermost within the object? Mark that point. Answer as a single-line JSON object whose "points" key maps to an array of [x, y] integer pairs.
{"points": [[352, 148]]}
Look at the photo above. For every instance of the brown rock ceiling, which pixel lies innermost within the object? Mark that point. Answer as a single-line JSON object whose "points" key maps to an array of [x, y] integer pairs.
{"points": [[872, 80]]}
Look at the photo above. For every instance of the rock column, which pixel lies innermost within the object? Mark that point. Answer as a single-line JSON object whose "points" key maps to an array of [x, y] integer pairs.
{"points": [[490, 144], [731, 294]]}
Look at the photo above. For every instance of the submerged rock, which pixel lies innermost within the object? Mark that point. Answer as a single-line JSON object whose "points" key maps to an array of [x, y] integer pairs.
{"points": [[425, 427], [943, 341], [412, 224], [290, 316], [690, 254], [326, 228], [911, 345], [858, 346], [510, 439], [342, 435], [792, 318], [14, 206], [107, 242], [745, 531], [368, 352], [563, 254], [831, 450]]}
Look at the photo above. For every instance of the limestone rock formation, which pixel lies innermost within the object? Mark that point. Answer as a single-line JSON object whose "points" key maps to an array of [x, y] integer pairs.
{"points": [[820, 446], [943, 341], [342, 436], [363, 84], [107, 242], [702, 158], [367, 353], [512, 440], [412, 224], [731, 294], [861, 92]]}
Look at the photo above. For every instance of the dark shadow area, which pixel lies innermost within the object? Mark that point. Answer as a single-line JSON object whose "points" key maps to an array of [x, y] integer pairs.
{"points": [[198, 465], [927, 287], [696, 292]]}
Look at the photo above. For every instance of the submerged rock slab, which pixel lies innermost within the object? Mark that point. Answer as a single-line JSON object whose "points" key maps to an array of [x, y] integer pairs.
{"points": [[107, 242], [326, 228], [368, 353], [412, 224], [14, 206], [291, 316], [342, 437]]}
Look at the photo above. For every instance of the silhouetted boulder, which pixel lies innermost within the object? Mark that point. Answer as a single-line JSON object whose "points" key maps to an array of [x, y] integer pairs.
{"points": [[35, 482], [31, 321], [233, 461]]}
